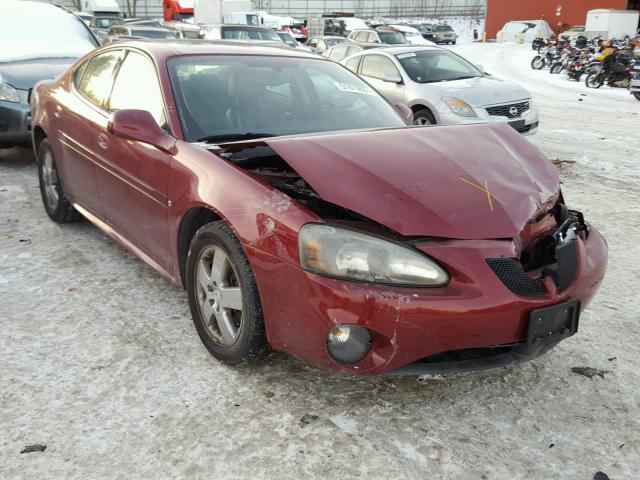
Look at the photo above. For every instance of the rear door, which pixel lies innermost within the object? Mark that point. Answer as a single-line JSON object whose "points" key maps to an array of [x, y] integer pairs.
{"points": [[133, 183], [81, 121]]}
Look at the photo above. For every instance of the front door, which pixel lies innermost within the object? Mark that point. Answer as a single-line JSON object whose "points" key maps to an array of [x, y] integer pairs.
{"points": [[133, 183], [383, 75]]}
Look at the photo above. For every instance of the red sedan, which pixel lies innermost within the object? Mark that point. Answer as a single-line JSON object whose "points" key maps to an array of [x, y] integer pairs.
{"points": [[302, 214]]}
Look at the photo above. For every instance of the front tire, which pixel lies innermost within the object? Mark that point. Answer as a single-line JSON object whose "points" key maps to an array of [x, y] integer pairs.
{"points": [[637, 95], [593, 80], [538, 62], [54, 200], [423, 117], [223, 297]]}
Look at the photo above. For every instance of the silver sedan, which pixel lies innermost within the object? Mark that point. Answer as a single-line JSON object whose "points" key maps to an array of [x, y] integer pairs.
{"points": [[444, 88]]}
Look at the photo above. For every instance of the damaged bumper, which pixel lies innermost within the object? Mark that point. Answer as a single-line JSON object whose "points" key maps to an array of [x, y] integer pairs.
{"points": [[474, 322]]}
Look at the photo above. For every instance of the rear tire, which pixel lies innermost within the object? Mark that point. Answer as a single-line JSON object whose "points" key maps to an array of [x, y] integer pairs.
{"points": [[54, 200], [637, 95], [556, 68], [423, 117], [231, 327]]}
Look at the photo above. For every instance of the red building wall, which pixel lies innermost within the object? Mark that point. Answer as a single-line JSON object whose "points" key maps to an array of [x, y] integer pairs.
{"points": [[571, 12]]}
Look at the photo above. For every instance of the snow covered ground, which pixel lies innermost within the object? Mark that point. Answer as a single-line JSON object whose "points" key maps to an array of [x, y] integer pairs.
{"points": [[99, 360]]}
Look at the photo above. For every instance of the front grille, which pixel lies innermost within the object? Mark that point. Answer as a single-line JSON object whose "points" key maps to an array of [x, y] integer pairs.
{"points": [[563, 272], [515, 278], [567, 258], [505, 110]]}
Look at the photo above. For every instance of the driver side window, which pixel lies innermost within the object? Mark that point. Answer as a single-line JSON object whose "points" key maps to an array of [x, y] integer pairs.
{"points": [[137, 87], [377, 66]]}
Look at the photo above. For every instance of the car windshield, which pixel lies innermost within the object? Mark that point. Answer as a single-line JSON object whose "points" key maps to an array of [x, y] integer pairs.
{"points": [[428, 66], [106, 22], [393, 38], [45, 36], [148, 33], [444, 28], [222, 98], [244, 33]]}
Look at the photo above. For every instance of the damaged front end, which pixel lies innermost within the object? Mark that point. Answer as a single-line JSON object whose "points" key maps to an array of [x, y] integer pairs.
{"points": [[519, 265]]}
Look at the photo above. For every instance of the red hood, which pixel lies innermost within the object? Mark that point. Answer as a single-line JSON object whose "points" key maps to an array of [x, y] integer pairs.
{"points": [[430, 181]]}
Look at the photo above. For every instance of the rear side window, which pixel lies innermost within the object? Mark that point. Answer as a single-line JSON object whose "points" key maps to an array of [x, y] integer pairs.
{"points": [[94, 78], [352, 64], [338, 53]]}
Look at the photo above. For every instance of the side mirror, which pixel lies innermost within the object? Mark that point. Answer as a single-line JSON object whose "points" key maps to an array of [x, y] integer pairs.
{"points": [[480, 67], [140, 126], [392, 78], [406, 113]]}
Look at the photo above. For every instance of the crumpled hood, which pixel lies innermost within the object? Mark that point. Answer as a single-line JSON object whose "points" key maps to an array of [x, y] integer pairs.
{"points": [[465, 182], [26, 73], [479, 91]]}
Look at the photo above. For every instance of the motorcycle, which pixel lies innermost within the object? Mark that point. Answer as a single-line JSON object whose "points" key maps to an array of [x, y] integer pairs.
{"points": [[615, 70], [583, 63], [548, 56], [634, 84]]}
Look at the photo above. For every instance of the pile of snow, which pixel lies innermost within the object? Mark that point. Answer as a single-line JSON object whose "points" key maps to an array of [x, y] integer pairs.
{"points": [[529, 29]]}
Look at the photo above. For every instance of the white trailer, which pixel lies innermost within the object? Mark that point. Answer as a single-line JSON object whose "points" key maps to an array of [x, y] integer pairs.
{"points": [[618, 24], [224, 11], [102, 7]]}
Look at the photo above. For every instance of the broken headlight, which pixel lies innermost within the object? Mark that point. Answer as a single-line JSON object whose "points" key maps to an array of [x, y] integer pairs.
{"points": [[343, 253]]}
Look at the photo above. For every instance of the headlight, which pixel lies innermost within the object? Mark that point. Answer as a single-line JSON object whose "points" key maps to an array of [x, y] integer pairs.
{"points": [[459, 106], [339, 252], [7, 92]]}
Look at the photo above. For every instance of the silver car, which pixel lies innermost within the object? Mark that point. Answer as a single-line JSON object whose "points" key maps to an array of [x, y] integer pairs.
{"points": [[444, 88]]}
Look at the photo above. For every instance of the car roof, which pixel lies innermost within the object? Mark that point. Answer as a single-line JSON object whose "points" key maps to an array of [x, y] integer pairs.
{"points": [[161, 49], [411, 49], [32, 8], [404, 28]]}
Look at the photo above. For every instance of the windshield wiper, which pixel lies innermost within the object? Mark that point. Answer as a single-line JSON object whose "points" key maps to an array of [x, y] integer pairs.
{"points": [[462, 78], [230, 137]]}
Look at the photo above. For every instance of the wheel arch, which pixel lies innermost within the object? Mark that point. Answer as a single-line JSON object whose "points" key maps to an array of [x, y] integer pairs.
{"points": [[423, 106], [191, 221], [38, 135]]}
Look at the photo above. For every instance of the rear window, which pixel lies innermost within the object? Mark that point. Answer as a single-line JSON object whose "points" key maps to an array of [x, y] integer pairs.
{"points": [[148, 33], [392, 38], [243, 33]]}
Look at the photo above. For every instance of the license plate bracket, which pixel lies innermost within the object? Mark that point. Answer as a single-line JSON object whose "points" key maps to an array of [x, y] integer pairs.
{"points": [[517, 124], [552, 323]]}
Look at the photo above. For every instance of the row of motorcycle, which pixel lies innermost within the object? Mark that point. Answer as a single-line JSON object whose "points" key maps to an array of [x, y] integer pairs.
{"points": [[601, 63]]}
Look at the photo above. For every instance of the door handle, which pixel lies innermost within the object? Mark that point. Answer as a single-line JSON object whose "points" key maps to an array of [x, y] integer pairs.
{"points": [[103, 141], [58, 111]]}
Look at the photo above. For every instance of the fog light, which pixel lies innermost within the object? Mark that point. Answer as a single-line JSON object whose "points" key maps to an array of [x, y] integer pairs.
{"points": [[348, 343]]}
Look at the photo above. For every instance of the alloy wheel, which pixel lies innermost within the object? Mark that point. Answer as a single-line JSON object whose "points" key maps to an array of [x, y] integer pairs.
{"points": [[51, 181], [219, 296]]}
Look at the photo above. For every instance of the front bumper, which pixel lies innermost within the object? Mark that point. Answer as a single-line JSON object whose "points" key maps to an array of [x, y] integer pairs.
{"points": [[15, 123], [475, 310], [528, 120]]}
